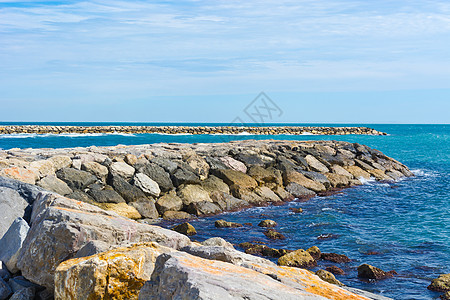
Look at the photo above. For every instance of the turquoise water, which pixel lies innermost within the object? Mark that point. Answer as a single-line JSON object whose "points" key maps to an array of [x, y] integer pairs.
{"points": [[407, 223]]}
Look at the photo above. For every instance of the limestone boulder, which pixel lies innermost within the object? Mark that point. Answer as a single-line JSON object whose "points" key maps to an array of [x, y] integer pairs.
{"points": [[338, 180], [267, 194], [169, 201], [42, 167], [76, 179], [146, 208], [265, 176], [186, 229], [291, 176], [128, 192], [21, 174], [176, 215], [122, 169], [299, 191], [199, 165], [116, 274], [379, 174], [337, 169], [231, 163], [62, 226], [11, 243], [203, 208], [328, 277], [12, 206], [28, 192], [61, 161], [193, 193], [227, 202], [122, 209], [226, 224], [146, 184], [158, 174], [233, 177], [357, 172], [217, 241], [54, 184], [96, 169], [213, 184], [315, 165]]}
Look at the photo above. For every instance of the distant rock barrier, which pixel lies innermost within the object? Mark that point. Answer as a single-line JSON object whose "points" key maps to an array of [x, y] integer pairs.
{"points": [[263, 130]]}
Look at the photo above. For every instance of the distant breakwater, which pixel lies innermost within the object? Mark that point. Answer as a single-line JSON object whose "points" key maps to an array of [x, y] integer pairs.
{"points": [[255, 130]]}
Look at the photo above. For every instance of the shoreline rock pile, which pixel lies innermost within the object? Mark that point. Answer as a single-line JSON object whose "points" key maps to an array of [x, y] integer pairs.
{"points": [[77, 220], [256, 130]]}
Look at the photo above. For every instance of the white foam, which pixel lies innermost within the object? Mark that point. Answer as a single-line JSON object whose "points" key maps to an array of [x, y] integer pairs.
{"points": [[18, 136]]}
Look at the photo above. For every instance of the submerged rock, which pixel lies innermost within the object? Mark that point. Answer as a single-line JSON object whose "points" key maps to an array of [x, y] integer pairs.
{"points": [[440, 284], [186, 229], [328, 277], [273, 234], [225, 224], [371, 272], [335, 270], [333, 257], [314, 251], [267, 223]]}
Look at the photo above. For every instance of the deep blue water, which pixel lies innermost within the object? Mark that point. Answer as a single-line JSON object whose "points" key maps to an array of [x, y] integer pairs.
{"points": [[406, 222]]}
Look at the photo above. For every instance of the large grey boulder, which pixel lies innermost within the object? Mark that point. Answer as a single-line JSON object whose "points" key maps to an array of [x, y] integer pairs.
{"points": [[54, 184], [12, 206], [299, 191], [146, 184], [129, 192], [183, 276], [76, 179], [184, 176], [157, 174], [122, 169], [62, 226], [11, 243], [27, 191], [105, 195], [169, 201]]}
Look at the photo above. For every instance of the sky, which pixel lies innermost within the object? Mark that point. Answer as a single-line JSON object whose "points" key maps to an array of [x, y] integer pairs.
{"points": [[334, 61]]}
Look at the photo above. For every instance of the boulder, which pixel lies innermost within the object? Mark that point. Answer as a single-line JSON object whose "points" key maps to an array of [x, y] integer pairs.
{"points": [[105, 195], [122, 209], [233, 164], [76, 179], [440, 284], [186, 229], [146, 184], [298, 258], [95, 169], [250, 159], [315, 252], [264, 176], [203, 208], [379, 174], [130, 159], [129, 192], [335, 270], [5, 290], [337, 180], [299, 191], [116, 274], [274, 235], [213, 184], [328, 277], [61, 161], [159, 175], [317, 177], [169, 201], [11, 243], [227, 202], [233, 177], [183, 176], [357, 172], [267, 223], [92, 248], [27, 191], [336, 258], [215, 163], [24, 294], [21, 174], [176, 215], [4, 273], [315, 165], [122, 169], [217, 241], [54, 184], [267, 194], [337, 169], [370, 272], [291, 176], [146, 208], [12, 206], [42, 167], [226, 224], [193, 193], [445, 296], [167, 164], [199, 165], [62, 226], [81, 196]]}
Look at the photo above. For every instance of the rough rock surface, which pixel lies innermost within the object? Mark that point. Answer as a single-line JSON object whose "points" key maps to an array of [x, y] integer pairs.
{"points": [[12, 206], [226, 224], [54, 184], [146, 184], [328, 277], [440, 284], [186, 229], [11, 243], [299, 258], [61, 226], [371, 272]]}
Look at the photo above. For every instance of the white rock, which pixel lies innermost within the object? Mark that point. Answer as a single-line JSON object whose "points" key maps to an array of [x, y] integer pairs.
{"points": [[11, 243], [146, 184], [122, 169]]}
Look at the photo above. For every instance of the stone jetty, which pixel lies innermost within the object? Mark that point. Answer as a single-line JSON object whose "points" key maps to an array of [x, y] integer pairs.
{"points": [[78, 223], [259, 130]]}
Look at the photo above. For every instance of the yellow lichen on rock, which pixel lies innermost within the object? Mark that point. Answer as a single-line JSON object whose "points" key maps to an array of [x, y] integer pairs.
{"points": [[122, 209], [116, 274]]}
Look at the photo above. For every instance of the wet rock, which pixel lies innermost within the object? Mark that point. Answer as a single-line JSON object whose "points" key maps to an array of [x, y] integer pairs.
{"points": [[5, 290], [11, 243], [62, 226], [379, 174], [298, 258], [267, 223], [146, 184], [217, 241], [314, 251], [12, 206], [193, 193], [233, 177], [273, 234], [122, 169], [116, 274], [169, 201], [315, 165], [295, 210], [336, 258], [129, 192], [327, 236], [335, 270], [263, 250], [176, 215], [291, 176], [96, 169], [76, 179], [203, 208], [370, 272], [440, 284], [328, 277], [226, 224], [357, 172], [213, 184], [159, 175], [54, 184], [146, 208], [105, 195], [299, 191], [338, 181], [186, 229]]}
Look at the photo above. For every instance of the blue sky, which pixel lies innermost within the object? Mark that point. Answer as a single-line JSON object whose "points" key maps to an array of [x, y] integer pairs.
{"points": [[349, 61]]}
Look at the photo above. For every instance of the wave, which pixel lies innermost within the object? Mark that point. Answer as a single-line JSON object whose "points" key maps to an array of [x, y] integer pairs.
{"points": [[71, 135]]}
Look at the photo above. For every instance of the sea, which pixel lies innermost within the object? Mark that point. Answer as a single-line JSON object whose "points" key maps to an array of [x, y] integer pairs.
{"points": [[402, 226]]}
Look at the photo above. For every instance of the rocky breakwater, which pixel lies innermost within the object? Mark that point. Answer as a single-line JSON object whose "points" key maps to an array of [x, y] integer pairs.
{"points": [[264, 130]]}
